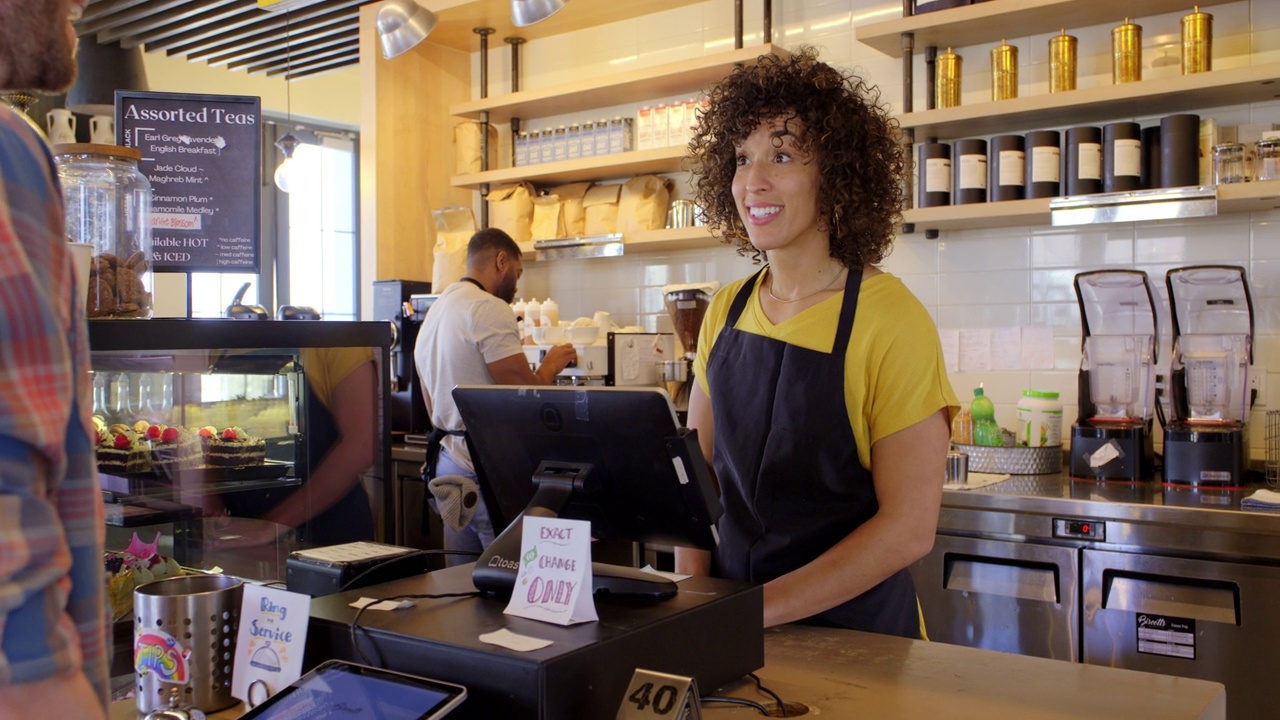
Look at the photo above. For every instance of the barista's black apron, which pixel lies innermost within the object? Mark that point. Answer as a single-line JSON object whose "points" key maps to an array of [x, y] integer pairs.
{"points": [[349, 520], [787, 463]]}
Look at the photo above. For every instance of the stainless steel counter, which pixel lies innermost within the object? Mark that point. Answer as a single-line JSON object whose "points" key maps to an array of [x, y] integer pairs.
{"points": [[1144, 576], [1147, 516]]}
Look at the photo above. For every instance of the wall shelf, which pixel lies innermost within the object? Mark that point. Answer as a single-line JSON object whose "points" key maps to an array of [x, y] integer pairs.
{"points": [[1234, 198], [616, 165], [989, 22], [1159, 96], [650, 241], [687, 76]]}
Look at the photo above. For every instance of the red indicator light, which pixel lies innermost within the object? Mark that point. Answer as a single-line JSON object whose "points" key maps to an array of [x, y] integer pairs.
{"points": [[1084, 528]]}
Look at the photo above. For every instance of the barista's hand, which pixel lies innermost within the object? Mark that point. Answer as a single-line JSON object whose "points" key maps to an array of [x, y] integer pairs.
{"points": [[556, 359]]}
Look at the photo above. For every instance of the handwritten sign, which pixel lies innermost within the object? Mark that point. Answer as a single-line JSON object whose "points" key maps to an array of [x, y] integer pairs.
{"points": [[273, 633], [203, 156], [553, 583]]}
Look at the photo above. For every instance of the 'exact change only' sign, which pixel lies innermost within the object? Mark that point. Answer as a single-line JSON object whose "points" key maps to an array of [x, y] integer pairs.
{"points": [[203, 155]]}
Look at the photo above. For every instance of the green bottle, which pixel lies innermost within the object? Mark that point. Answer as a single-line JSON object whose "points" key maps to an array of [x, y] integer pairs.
{"points": [[986, 431]]}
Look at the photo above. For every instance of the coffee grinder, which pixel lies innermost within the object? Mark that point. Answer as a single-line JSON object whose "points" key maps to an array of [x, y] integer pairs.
{"points": [[1112, 438], [404, 304], [1205, 438], [686, 304]]}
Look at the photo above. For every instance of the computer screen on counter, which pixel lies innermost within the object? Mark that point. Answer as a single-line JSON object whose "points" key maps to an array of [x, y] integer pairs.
{"points": [[616, 457]]}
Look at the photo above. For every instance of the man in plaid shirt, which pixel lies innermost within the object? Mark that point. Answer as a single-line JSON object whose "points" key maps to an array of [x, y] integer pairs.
{"points": [[52, 626]]}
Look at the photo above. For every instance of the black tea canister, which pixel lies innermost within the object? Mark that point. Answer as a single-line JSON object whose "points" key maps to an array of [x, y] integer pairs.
{"points": [[1044, 159], [1006, 168], [1179, 150], [1082, 161], [1121, 157], [933, 174], [969, 172], [1151, 157]]}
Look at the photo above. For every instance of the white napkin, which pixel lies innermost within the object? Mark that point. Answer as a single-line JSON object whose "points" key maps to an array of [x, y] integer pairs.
{"points": [[1262, 500], [456, 498]]}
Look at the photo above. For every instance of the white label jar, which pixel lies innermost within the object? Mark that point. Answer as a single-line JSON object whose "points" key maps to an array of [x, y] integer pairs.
{"points": [[1039, 419]]}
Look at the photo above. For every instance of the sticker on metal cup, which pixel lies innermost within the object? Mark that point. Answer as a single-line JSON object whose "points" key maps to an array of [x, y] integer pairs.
{"points": [[158, 653]]}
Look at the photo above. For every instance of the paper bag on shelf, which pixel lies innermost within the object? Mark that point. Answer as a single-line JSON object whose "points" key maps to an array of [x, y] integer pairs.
{"points": [[601, 207], [466, 143], [643, 205], [454, 228], [511, 210], [571, 209], [548, 220]]}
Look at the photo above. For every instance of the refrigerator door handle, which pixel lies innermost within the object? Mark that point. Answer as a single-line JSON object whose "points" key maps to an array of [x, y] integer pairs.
{"points": [[1197, 598]]}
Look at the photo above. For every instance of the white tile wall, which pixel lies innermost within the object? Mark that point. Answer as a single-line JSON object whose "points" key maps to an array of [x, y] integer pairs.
{"points": [[990, 278]]}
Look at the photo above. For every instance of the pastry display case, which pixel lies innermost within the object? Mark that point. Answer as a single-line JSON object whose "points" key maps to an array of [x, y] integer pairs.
{"points": [[224, 445]]}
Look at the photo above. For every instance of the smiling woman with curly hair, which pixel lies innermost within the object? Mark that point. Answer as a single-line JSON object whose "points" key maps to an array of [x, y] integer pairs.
{"points": [[821, 398]]}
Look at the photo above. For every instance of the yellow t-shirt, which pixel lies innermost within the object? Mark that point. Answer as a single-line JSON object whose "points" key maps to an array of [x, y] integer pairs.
{"points": [[326, 367], [895, 375]]}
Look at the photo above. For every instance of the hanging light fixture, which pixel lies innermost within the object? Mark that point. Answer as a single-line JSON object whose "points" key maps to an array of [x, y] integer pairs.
{"points": [[527, 12], [402, 24], [284, 174]]}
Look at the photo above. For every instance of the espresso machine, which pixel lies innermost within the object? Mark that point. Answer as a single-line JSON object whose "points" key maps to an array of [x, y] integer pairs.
{"points": [[1205, 437], [686, 304], [404, 304], [619, 358], [1112, 438]]}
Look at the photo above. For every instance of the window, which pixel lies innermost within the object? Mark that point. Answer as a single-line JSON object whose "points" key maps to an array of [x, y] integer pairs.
{"points": [[310, 240]]}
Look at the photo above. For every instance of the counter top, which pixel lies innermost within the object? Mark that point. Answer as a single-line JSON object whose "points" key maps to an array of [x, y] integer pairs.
{"points": [[1146, 516], [845, 674]]}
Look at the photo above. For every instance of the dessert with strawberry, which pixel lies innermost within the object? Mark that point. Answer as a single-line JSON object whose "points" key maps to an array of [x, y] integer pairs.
{"points": [[120, 450], [174, 449], [232, 447]]}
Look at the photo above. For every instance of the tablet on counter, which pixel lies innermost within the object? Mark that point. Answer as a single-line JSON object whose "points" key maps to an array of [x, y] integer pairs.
{"points": [[339, 689]]}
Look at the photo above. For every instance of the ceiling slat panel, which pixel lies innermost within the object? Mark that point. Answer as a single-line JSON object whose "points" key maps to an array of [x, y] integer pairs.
{"points": [[154, 39], [319, 27], [258, 56], [297, 20], [178, 11]]}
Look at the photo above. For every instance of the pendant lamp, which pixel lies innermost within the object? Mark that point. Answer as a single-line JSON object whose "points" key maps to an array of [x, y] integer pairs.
{"points": [[527, 12], [402, 24]]}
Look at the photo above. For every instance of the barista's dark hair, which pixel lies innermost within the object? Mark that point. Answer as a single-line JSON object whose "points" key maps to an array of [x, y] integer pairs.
{"points": [[491, 241], [839, 122]]}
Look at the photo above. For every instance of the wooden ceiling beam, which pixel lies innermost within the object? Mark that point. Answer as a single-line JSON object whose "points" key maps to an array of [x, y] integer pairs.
{"points": [[248, 58], [102, 8], [152, 39], [348, 58], [124, 17], [182, 14], [293, 22], [323, 70], [320, 27], [301, 59]]}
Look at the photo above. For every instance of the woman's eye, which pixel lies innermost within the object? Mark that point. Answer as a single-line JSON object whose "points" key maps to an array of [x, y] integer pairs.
{"points": [[740, 160], [781, 157]]}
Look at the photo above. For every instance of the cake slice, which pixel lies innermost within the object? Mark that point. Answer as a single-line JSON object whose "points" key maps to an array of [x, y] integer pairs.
{"points": [[232, 448]]}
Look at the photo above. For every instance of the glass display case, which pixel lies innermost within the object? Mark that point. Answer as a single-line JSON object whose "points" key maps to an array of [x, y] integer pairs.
{"points": [[224, 445]]}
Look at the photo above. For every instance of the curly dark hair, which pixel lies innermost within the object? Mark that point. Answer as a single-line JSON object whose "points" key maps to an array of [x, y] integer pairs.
{"points": [[839, 121]]}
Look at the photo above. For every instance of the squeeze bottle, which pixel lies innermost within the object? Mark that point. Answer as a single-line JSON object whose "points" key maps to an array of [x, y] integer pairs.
{"points": [[985, 429]]}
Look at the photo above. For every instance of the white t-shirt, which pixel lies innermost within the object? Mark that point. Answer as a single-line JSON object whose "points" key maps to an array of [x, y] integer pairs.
{"points": [[465, 330]]}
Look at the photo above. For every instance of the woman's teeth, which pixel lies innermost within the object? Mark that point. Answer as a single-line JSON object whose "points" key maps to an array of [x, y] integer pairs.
{"points": [[762, 212]]}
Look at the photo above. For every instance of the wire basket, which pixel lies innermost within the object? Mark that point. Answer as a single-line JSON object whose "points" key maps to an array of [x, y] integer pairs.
{"points": [[1013, 460], [1273, 448]]}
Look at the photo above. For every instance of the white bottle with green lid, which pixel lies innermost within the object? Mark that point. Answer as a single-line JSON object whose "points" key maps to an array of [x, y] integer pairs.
{"points": [[1039, 419]]}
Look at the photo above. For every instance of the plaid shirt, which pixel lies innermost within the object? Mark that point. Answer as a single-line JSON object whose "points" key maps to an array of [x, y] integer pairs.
{"points": [[52, 612]]}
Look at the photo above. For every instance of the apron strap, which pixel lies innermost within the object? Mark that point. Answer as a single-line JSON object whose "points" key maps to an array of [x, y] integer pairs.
{"points": [[740, 300], [434, 438]]}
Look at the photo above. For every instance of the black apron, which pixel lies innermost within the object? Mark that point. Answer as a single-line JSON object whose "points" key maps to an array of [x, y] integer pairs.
{"points": [[787, 463], [349, 520]]}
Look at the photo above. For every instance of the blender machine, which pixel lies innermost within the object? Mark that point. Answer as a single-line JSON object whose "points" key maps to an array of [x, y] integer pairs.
{"points": [[1112, 436], [686, 304], [1205, 439]]}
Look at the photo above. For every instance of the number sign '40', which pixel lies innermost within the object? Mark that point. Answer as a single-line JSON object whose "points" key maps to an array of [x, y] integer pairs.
{"points": [[654, 695]]}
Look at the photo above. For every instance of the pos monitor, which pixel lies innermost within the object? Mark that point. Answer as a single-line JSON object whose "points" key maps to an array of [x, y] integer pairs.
{"points": [[616, 457]]}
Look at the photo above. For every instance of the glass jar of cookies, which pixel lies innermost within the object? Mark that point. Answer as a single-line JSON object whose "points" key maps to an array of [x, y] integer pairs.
{"points": [[108, 206]]}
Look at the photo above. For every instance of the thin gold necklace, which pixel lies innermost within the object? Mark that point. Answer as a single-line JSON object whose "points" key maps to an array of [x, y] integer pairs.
{"points": [[769, 289]]}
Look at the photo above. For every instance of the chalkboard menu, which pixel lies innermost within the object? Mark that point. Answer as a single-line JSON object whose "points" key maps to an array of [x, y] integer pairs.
{"points": [[203, 156]]}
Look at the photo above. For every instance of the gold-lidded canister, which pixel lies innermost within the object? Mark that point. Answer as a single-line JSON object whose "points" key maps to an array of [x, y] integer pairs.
{"points": [[1126, 53], [1062, 62], [1197, 42], [1004, 71], [947, 86]]}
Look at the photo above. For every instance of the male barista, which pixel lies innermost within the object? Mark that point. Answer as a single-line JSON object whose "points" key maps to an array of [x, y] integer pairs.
{"points": [[470, 337]]}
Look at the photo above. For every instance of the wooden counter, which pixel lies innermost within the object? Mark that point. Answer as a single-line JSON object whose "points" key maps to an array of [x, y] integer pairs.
{"points": [[845, 674]]}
